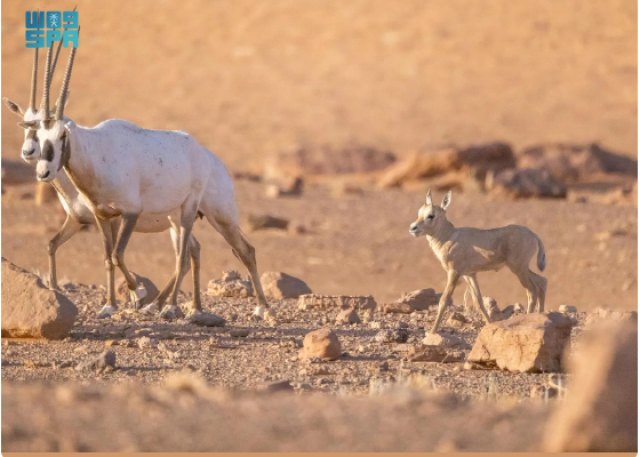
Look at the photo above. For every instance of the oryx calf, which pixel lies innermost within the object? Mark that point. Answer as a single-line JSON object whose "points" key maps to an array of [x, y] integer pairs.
{"points": [[464, 252]]}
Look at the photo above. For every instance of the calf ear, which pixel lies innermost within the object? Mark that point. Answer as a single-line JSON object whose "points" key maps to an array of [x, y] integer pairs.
{"points": [[446, 201], [13, 107], [429, 201]]}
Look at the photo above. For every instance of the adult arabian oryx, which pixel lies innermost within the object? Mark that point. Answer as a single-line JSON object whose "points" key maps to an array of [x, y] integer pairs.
{"points": [[464, 252], [75, 204], [141, 176]]}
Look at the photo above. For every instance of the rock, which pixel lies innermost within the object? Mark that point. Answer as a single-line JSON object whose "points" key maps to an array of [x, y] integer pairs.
{"points": [[288, 187], [600, 411], [417, 300], [492, 309], [266, 221], [359, 303], [571, 163], [122, 290], [348, 316], [525, 343], [508, 311], [474, 161], [307, 160], [457, 320], [239, 332], [281, 285], [276, 386], [519, 308], [568, 309], [454, 357], [524, 183], [426, 354], [101, 362], [321, 343], [30, 310], [205, 319], [230, 285], [399, 335], [443, 340], [145, 342]]}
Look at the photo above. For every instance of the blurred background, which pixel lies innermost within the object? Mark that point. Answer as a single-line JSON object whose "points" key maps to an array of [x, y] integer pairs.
{"points": [[253, 78]]}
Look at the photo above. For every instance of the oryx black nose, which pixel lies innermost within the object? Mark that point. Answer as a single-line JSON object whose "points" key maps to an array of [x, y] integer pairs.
{"points": [[28, 153], [413, 227], [44, 175]]}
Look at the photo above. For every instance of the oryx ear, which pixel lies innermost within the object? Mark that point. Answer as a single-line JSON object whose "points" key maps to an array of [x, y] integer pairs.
{"points": [[28, 125], [446, 201], [13, 107], [429, 201]]}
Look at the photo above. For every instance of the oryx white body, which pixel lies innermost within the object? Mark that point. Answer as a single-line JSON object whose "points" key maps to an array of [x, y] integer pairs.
{"points": [[464, 252], [142, 176]]}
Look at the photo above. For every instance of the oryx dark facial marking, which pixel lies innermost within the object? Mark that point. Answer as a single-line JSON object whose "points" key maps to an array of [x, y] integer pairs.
{"points": [[47, 151]]}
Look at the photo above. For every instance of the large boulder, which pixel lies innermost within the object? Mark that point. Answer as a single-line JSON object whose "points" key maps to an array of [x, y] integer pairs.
{"points": [[475, 160], [525, 183], [525, 343], [322, 343], [600, 412], [122, 289], [281, 285], [30, 310], [570, 163]]}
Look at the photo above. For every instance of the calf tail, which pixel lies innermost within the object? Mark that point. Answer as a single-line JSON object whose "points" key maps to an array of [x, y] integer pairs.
{"points": [[542, 258]]}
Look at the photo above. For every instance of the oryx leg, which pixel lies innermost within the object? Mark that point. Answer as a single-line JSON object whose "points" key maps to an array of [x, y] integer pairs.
{"points": [[474, 288], [187, 219], [243, 250], [107, 239], [194, 250], [445, 299], [127, 224], [68, 229]]}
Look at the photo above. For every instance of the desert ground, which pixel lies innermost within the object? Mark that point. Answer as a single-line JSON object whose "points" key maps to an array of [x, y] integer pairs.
{"points": [[253, 79]]}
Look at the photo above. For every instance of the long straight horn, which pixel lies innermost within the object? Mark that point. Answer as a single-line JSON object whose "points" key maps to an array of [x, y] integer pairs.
{"points": [[34, 81], [55, 59], [65, 85], [45, 90]]}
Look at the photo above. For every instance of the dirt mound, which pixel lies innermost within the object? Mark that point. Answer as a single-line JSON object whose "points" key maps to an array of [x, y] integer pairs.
{"points": [[37, 418]]}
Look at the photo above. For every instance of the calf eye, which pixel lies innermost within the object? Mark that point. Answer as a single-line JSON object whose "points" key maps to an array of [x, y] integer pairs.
{"points": [[430, 216]]}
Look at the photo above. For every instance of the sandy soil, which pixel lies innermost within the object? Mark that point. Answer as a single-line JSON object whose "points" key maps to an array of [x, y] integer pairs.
{"points": [[360, 245]]}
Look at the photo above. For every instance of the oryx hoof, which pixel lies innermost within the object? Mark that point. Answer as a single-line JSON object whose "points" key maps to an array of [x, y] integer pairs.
{"points": [[137, 297], [106, 312], [171, 313], [151, 308], [259, 312]]}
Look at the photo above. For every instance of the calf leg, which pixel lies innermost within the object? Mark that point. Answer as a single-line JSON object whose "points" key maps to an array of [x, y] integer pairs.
{"points": [[474, 288], [529, 285], [445, 299], [541, 285], [68, 229]]}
